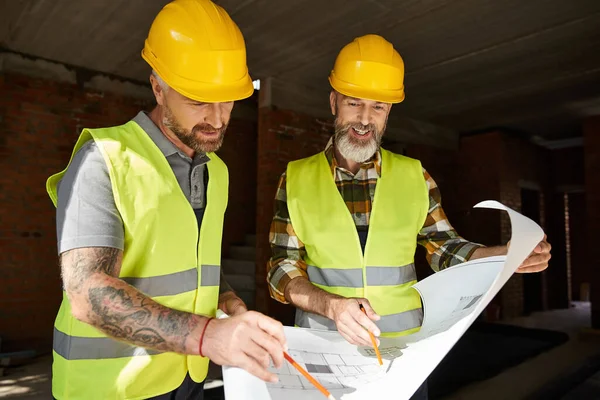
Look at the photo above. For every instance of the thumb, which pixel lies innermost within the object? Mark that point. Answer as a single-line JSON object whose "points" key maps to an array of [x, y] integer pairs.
{"points": [[369, 310]]}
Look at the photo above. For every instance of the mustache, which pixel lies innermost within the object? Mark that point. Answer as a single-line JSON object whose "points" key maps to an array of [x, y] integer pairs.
{"points": [[346, 127], [208, 128]]}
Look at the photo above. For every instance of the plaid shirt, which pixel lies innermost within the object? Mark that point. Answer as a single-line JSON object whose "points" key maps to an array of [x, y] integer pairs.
{"points": [[444, 246]]}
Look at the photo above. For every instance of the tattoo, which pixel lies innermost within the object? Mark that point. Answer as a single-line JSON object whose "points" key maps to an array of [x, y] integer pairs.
{"points": [[90, 277], [171, 322], [78, 264], [139, 320]]}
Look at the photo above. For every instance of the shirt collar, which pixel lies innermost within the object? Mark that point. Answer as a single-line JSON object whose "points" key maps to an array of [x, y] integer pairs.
{"points": [[373, 162], [159, 139]]}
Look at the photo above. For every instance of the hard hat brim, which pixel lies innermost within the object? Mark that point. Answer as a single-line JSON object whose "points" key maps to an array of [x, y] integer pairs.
{"points": [[348, 89], [202, 91]]}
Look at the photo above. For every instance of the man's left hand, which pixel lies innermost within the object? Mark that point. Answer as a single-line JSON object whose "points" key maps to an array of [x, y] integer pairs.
{"points": [[538, 259], [231, 305]]}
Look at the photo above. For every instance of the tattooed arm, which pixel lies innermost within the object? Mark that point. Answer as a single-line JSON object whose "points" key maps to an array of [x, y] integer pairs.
{"points": [[99, 298]]}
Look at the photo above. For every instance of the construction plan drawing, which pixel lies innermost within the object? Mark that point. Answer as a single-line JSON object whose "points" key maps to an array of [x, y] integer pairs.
{"points": [[452, 300]]}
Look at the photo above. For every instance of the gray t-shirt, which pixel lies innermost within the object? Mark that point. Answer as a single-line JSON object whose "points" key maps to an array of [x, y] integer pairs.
{"points": [[86, 214]]}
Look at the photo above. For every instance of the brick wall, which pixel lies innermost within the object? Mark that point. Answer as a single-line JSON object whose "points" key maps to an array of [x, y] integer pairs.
{"points": [[492, 165], [239, 153], [40, 121], [581, 268], [283, 136], [591, 132], [569, 176], [523, 165], [477, 178]]}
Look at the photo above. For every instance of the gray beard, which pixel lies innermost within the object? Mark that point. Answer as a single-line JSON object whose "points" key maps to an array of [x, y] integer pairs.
{"points": [[354, 149], [356, 152]]}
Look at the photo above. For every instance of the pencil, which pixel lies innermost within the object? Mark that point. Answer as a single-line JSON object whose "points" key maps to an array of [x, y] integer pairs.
{"points": [[373, 339], [308, 376]]}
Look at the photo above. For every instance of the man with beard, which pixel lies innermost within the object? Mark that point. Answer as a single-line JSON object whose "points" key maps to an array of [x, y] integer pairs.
{"points": [[347, 220], [139, 223]]}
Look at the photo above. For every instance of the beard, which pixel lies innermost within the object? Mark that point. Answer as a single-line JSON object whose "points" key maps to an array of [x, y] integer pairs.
{"points": [[350, 147], [190, 137]]}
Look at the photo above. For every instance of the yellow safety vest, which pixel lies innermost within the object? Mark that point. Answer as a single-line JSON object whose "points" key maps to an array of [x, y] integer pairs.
{"points": [[385, 273], [162, 258]]}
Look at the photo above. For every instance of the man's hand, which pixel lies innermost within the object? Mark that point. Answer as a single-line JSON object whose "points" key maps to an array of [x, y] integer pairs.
{"points": [[351, 322], [538, 259], [231, 305], [249, 341]]}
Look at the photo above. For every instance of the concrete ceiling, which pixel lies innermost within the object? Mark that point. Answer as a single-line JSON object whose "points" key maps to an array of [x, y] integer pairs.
{"points": [[470, 64]]}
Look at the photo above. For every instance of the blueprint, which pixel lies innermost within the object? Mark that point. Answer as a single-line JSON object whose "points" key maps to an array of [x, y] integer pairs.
{"points": [[452, 300]]}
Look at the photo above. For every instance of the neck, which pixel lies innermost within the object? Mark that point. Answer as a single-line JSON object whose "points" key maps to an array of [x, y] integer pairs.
{"points": [[346, 163], [157, 116]]}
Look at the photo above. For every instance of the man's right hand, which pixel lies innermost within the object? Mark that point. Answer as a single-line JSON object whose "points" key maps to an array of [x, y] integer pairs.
{"points": [[248, 341], [352, 323]]}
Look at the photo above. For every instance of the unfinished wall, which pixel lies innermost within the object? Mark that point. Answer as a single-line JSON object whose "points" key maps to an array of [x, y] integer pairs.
{"points": [[493, 165], [239, 153], [40, 121], [568, 172]]}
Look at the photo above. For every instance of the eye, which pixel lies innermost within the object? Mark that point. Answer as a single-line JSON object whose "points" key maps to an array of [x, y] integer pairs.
{"points": [[379, 107], [352, 104]]}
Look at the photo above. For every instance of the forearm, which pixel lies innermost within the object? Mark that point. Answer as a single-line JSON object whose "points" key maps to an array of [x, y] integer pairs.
{"points": [[122, 312], [483, 252], [119, 310], [306, 296]]}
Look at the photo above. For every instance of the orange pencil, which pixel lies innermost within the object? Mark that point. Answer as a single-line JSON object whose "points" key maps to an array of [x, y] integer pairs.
{"points": [[373, 339], [308, 376]]}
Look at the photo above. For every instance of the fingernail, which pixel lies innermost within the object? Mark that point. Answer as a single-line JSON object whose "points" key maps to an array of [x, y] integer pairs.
{"points": [[274, 379]]}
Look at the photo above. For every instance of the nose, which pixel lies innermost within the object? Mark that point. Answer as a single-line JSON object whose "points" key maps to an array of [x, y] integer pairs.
{"points": [[214, 116], [364, 116]]}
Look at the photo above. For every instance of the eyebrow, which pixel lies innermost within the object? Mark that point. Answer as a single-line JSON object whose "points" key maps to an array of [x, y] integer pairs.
{"points": [[357, 99]]}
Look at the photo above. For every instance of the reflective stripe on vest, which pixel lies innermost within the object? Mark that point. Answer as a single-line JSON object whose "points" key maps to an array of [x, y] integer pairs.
{"points": [[353, 278], [178, 282], [388, 323], [86, 348]]}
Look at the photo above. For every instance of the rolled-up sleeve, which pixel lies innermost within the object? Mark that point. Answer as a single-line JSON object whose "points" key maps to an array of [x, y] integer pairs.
{"points": [[445, 247], [287, 251]]}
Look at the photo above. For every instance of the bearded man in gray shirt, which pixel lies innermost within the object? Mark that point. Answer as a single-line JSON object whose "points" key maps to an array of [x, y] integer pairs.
{"points": [[139, 222]]}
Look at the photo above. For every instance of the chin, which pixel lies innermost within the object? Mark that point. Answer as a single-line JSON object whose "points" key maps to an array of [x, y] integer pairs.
{"points": [[209, 148]]}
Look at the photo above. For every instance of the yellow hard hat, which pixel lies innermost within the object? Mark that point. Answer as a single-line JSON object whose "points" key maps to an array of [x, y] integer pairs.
{"points": [[369, 68], [197, 49]]}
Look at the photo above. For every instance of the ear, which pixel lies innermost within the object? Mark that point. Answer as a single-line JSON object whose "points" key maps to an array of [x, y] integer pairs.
{"points": [[333, 101], [159, 93]]}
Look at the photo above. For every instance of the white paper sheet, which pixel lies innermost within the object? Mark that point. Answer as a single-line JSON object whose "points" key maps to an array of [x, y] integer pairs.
{"points": [[452, 298]]}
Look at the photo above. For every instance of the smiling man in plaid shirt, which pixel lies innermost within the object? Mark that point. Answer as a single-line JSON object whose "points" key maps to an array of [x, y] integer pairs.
{"points": [[347, 220]]}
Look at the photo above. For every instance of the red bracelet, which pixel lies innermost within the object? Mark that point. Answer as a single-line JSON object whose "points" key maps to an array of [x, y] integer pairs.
{"points": [[202, 337]]}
